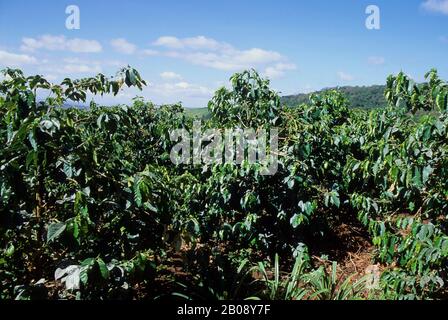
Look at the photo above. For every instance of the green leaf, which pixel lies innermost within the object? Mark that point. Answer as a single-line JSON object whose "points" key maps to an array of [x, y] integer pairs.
{"points": [[335, 199], [10, 251], [95, 157], [442, 101], [68, 170], [138, 197], [151, 207], [88, 262], [417, 179], [297, 220], [73, 228], [32, 140], [84, 275], [427, 171], [99, 120], [55, 230], [103, 268]]}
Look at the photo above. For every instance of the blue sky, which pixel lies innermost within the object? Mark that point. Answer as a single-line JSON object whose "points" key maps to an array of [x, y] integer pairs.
{"points": [[187, 49]]}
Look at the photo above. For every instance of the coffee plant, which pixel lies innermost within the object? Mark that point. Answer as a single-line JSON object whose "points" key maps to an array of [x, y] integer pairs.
{"points": [[92, 207]]}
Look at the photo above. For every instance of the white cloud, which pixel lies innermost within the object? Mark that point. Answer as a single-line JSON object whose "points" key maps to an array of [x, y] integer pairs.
{"points": [[376, 60], [60, 43], [214, 54], [181, 89], [191, 95], [71, 69], [121, 45], [279, 70], [168, 75], [196, 43], [182, 85], [9, 59], [345, 76], [255, 56], [169, 42], [440, 6], [80, 68], [72, 66], [150, 52], [50, 77], [229, 61], [112, 63]]}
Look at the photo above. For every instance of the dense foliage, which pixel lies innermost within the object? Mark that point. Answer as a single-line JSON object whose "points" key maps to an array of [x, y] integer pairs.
{"points": [[368, 97], [91, 207]]}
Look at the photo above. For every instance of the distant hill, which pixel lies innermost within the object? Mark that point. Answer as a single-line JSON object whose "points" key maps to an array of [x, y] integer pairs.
{"points": [[197, 112], [367, 97]]}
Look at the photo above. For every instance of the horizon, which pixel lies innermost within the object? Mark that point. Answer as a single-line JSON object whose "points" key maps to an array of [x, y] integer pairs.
{"points": [[186, 51]]}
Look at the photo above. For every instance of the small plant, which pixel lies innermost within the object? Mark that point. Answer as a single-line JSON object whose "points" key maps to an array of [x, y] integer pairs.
{"points": [[278, 286], [326, 285], [303, 283]]}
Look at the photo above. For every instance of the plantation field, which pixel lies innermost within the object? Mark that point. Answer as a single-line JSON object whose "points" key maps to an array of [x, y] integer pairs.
{"points": [[92, 207], [197, 112], [365, 97], [368, 97]]}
